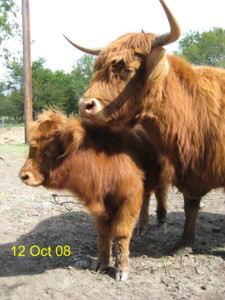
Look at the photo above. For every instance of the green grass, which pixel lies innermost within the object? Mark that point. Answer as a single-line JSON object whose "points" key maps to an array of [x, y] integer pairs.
{"points": [[17, 213], [218, 249], [15, 151], [70, 215], [11, 125]]}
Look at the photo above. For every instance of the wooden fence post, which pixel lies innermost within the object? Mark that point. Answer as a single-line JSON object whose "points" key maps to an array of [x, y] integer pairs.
{"points": [[27, 68]]}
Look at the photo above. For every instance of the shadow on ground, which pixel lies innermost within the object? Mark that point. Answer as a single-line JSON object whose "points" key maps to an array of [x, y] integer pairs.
{"points": [[70, 240]]}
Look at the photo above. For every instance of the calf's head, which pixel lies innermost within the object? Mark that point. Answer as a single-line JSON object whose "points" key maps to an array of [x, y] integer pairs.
{"points": [[122, 71], [52, 138]]}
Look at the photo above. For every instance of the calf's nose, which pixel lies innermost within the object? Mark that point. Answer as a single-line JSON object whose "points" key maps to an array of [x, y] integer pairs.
{"points": [[24, 175], [32, 178]]}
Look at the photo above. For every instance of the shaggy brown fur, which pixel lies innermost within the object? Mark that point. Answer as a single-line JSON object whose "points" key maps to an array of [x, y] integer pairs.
{"points": [[109, 170], [181, 107]]}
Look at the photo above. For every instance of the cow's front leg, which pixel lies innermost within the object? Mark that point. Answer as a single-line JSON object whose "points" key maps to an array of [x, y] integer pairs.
{"points": [[122, 258], [161, 194], [186, 242]]}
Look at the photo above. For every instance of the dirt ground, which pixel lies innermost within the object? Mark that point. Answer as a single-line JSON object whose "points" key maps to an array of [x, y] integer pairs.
{"points": [[48, 246]]}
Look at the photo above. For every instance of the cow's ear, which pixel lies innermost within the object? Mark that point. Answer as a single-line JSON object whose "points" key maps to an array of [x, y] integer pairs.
{"points": [[157, 65], [72, 135]]}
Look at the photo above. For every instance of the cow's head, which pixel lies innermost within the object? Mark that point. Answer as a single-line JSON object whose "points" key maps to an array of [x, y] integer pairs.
{"points": [[121, 71], [52, 138]]}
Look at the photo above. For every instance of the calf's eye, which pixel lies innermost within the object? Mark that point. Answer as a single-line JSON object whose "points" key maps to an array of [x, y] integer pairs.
{"points": [[130, 70]]}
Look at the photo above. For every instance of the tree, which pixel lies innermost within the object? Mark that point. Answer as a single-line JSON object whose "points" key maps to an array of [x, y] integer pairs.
{"points": [[206, 48], [49, 88], [80, 78], [58, 88], [8, 25], [12, 94]]}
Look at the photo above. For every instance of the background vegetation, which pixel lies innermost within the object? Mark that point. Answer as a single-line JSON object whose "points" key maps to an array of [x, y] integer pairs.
{"points": [[206, 48], [57, 88], [64, 89]]}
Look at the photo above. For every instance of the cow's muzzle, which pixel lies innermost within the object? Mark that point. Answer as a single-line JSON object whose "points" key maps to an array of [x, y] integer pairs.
{"points": [[90, 108]]}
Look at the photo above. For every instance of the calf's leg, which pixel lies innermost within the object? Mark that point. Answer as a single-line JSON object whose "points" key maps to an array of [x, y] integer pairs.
{"points": [[104, 245], [122, 225], [122, 257], [186, 242]]}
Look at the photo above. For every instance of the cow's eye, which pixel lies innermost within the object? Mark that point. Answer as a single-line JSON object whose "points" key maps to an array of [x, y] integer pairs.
{"points": [[127, 73]]}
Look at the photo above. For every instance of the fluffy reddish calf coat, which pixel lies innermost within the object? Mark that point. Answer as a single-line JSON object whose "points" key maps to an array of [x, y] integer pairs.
{"points": [[109, 170]]}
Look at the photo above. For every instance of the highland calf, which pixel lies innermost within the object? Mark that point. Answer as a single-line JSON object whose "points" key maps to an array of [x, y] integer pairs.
{"points": [[181, 107], [109, 170]]}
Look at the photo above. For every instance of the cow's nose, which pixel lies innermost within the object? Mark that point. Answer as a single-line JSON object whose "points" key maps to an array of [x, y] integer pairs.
{"points": [[88, 107]]}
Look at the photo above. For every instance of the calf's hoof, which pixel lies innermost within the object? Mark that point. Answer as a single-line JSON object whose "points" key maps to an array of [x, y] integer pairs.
{"points": [[101, 268], [121, 275]]}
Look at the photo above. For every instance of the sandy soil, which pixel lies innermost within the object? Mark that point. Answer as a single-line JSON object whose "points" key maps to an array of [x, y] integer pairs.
{"points": [[48, 246]]}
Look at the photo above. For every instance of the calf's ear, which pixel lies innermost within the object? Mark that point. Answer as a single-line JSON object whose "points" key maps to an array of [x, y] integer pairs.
{"points": [[42, 129], [48, 127], [72, 135]]}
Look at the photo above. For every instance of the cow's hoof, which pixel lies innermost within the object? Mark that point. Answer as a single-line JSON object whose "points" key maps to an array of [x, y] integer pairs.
{"points": [[143, 230], [161, 224], [121, 275], [181, 251]]}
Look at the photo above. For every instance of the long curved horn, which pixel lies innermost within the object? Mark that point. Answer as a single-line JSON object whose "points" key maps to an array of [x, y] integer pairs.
{"points": [[173, 35], [95, 51]]}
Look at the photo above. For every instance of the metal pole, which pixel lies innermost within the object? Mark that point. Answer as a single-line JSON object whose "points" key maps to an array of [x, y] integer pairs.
{"points": [[27, 68]]}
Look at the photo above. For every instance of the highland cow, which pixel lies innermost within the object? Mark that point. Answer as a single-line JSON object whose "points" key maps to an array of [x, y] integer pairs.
{"points": [[181, 107]]}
